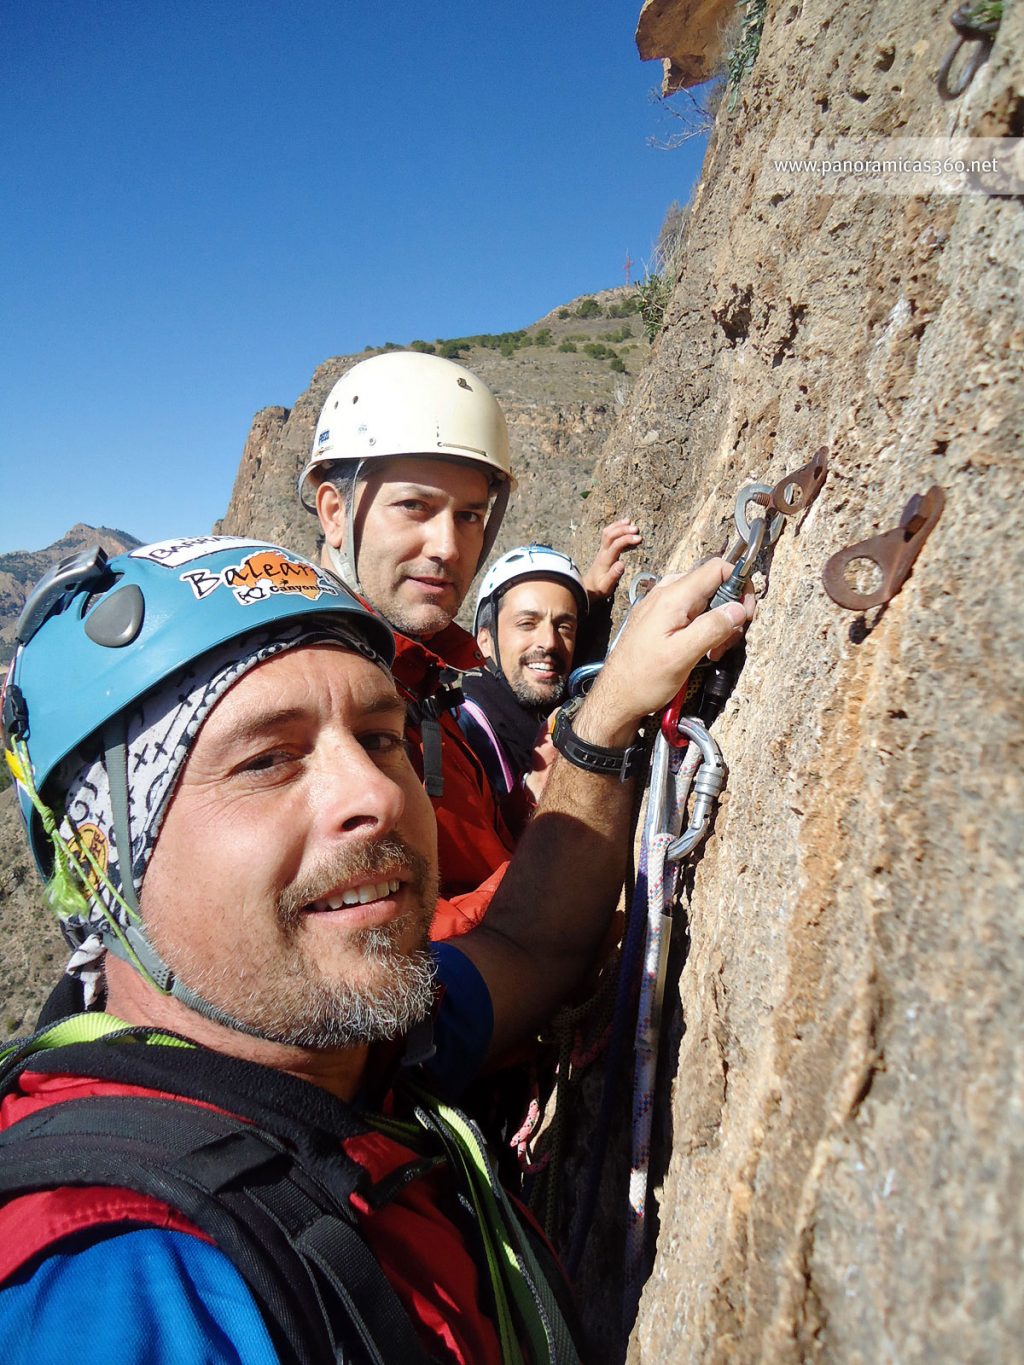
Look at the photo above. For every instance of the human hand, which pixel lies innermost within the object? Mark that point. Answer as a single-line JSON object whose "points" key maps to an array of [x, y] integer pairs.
{"points": [[667, 633], [541, 759], [608, 567]]}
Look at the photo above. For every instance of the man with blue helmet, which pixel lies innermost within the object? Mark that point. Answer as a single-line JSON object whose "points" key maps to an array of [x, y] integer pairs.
{"points": [[245, 862]]}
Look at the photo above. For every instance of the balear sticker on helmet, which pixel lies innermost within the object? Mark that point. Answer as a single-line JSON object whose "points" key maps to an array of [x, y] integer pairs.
{"points": [[260, 576], [89, 847], [174, 553]]}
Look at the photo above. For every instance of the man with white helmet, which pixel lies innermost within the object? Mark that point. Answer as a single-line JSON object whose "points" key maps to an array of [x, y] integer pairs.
{"points": [[409, 475], [531, 608]]}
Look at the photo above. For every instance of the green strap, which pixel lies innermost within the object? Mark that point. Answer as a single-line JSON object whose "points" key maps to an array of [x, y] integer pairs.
{"points": [[88, 1027], [511, 1261]]}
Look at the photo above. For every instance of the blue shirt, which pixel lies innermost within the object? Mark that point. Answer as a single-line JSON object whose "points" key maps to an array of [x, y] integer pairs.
{"points": [[153, 1297]]}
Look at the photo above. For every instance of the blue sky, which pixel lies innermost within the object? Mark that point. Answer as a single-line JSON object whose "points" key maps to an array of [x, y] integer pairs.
{"points": [[204, 200]]}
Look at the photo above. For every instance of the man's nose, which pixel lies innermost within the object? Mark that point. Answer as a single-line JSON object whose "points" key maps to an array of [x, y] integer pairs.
{"points": [[355, 796], [548, 637], [442, 542]]}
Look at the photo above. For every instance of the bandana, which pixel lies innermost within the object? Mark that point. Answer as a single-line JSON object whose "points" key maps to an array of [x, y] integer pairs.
{"points": [[160, 729]]}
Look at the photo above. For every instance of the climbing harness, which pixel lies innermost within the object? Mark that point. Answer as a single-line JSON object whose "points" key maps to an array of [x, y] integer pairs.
{"points": [[978, 25], [893, 553]]}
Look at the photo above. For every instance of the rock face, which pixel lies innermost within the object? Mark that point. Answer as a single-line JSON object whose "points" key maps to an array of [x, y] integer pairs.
{"points": [[688, 35], [841, 1153], [559, 405]]}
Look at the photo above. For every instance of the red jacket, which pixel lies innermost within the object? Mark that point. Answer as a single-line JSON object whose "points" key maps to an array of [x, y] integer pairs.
{"points": [[473, 841]]}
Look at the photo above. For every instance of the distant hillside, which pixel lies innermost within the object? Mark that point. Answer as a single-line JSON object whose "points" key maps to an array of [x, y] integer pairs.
{"points": [[20, 570]]}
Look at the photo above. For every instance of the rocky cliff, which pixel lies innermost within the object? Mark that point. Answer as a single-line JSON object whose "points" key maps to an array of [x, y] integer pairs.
{"points": [[840, 1154]]}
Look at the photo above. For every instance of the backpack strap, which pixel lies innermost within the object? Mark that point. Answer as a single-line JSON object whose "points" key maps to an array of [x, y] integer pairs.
{"points": [[425, 713], [479, 715], [320, 1288]]}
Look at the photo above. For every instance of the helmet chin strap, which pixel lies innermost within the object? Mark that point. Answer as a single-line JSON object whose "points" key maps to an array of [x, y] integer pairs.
{"points": [[343, 567]]}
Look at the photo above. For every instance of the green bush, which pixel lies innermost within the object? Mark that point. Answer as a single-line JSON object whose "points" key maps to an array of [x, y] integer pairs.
{"points": [[423, 346], [652, 299], [599, 350], [452, 350], [623, 334], [568, 346], [564, 313], [744, 53], [589, 308], [542, 337], [617, 364], [625, 309]]}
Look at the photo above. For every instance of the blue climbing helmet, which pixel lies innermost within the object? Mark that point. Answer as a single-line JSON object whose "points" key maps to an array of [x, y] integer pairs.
{"points": [[97, 634]]}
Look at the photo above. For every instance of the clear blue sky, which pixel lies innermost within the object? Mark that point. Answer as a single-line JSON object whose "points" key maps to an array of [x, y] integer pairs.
{"points": [[204, 199]]}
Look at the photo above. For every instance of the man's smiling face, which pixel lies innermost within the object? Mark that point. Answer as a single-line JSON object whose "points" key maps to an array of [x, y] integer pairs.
{"points": [[295, 875], [537, 622]]}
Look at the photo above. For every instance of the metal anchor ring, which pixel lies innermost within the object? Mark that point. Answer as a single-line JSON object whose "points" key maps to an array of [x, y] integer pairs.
{"points": [[968, 30], [893, 553], [641, 585], [761, 493], [799, 489]]}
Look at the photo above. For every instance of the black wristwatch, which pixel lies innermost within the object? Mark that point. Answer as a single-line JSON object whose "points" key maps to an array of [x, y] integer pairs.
{"points": [[595, 758]]}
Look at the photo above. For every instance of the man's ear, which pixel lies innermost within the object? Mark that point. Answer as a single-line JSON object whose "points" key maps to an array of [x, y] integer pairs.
{"points": [[330, 508], [484, 642]]}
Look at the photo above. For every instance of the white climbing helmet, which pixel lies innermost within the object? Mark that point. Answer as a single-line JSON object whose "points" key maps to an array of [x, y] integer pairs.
{"points": [[524, 562]]}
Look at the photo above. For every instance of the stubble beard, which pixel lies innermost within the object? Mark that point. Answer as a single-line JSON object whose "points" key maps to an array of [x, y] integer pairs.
{"points": [[283, 995], [528, 693]]}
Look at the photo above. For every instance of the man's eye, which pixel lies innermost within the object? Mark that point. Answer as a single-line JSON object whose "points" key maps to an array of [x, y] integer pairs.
{"points": [[266, 762], [471, 518], [383, 742], [413, 505]]}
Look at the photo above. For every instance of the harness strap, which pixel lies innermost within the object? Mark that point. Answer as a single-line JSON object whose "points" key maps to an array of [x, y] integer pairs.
{"points": [[515, 1270], [480, 716], [433, 770]]}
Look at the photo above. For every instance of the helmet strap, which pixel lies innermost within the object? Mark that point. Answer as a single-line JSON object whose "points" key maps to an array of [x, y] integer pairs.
{"points": [[494, 520], [351, 551]]}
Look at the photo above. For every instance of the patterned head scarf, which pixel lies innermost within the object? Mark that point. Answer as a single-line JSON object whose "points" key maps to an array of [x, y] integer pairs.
{"points": [[160, 730]]}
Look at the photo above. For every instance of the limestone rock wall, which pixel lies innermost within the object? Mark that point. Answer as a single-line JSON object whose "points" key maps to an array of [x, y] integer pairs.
{"points": [[841, 1154]]}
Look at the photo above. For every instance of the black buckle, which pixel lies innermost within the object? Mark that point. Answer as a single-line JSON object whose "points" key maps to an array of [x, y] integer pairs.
{"points": [[85, 568]]}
